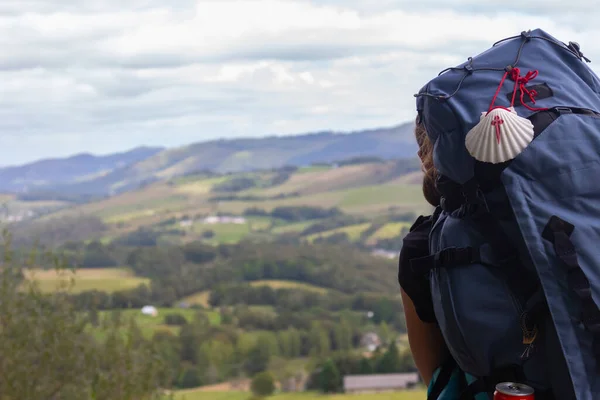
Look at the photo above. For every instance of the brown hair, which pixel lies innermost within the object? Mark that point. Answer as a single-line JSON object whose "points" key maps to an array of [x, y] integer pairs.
{"points": [[426, 155]]}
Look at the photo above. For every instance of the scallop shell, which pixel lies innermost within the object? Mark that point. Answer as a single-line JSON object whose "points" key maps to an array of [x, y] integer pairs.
{"points": [[499, 136]]}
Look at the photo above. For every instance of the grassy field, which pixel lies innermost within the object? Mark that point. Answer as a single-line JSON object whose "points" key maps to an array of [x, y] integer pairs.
{"points": [[388, 231], [104, 279], [275, 284], [353, 232], [366, 190], [198, 298], [149, 324], [200, 395], [292, 228], [203, 297]]}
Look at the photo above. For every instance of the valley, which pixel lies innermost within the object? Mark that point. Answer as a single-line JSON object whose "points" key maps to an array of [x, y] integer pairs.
{"points": [[236, 273]]}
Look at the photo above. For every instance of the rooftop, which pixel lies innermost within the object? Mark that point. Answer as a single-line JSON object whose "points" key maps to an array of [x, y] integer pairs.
{"points": [[383, 381]]}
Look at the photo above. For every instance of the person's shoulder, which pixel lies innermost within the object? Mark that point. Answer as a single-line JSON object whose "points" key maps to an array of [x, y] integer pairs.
{"points": [[423, 222]]}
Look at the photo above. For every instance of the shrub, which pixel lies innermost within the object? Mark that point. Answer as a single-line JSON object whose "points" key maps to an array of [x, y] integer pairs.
{"points": [[263, 384], [175, 320]]}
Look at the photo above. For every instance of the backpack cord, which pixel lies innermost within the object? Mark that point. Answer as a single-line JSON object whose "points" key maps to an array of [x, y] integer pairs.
{"points": [[572, 48]]}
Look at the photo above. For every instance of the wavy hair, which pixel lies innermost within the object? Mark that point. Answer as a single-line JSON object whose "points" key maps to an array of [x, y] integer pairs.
{"points": [[425, 153]]}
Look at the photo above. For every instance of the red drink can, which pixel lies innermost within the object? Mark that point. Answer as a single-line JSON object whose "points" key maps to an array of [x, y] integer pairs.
{"points": [[513, 391]]}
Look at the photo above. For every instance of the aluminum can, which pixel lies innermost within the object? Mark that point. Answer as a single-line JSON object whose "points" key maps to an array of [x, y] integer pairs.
{"points": [[513, 391]]}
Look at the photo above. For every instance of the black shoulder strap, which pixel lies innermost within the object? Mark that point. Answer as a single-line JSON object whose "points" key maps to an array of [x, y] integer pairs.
{"points": [[558, 232]]}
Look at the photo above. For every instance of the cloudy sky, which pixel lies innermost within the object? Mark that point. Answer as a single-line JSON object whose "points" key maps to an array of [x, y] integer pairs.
{"points": [[107, 75]]}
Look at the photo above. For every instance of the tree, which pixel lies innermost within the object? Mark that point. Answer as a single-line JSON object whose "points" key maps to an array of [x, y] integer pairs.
{"points": [[190, 378], [48, 351], [365, 367], [258, 358], [390, 362], [189, 344], [330, 380], [319, 340], [208, 234], [343, 336], [384, 333], [175, 319], [263, 384]]}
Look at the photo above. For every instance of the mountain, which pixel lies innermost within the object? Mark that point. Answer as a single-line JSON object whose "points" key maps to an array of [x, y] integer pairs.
{"points": [[223, 156], [71, 170]]}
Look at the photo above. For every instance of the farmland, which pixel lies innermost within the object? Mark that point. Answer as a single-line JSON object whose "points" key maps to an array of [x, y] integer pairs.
{"points": [[105, 279], [274, 270], [177, 208]]}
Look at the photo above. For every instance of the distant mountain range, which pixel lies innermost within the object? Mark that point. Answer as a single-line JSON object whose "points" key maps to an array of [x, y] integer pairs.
{"points": [[88, 175]]}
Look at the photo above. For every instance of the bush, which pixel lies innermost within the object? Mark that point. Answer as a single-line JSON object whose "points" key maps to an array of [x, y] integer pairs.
{"points": [[190, 378], [263, 384], [175, 320], [49, 353], [330, 380]]}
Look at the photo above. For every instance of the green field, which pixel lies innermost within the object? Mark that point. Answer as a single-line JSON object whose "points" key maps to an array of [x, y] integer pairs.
{"points": [[224, 233], [203, 297], [292, 228], [200, 395], [104, 279], [388, 231], [275, 284], [149, 324], [370, 190], [352, 231], [198, 298]]}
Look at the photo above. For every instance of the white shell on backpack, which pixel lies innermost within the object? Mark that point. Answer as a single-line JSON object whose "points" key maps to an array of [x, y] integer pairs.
{"points": [[499, 136]]}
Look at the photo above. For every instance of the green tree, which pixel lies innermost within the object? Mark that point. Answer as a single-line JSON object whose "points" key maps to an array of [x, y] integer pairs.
{"points": [[319, 340], [263, 384], [343, 336], [175, 319], [295, 343], [330, 380], [384, 332], [189, 344], [190, 378], [390, 362], [258, 358], [94, 316], [366, 367], [48, 352]]}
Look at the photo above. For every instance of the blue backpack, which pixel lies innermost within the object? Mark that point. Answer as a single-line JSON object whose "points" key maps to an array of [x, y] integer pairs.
{"points": [[514, 264]]}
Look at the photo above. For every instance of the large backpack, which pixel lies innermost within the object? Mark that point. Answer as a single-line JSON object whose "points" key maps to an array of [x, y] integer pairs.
{"points": [[514, 268]]}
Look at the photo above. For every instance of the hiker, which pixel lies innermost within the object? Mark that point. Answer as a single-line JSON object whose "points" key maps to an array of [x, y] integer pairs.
{"points": [[501, 283], [426, 342]]}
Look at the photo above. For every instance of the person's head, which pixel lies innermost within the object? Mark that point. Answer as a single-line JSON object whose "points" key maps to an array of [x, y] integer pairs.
{"points": [[426, 155]]}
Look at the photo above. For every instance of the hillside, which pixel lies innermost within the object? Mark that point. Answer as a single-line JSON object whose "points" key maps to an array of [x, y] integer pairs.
{"points": [[77, 177], [277, 269], [69, 170], [180, 209]]}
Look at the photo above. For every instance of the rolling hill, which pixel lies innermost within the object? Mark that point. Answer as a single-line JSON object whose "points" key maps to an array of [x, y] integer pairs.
{"points": [[176, 209], [71, 170], [87, 175]]}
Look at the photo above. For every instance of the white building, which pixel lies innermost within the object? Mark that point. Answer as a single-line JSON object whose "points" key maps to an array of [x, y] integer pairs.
{"points": [[380, 383], [150, 310]]}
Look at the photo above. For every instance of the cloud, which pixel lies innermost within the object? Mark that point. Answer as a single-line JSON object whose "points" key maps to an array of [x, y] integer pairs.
{"points": [[102, 76]]}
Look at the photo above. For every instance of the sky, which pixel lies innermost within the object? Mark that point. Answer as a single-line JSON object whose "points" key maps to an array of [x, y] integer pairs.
{"points": [[102, 76]]}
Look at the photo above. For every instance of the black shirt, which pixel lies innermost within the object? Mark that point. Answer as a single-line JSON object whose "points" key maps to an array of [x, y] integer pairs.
{"points": [[416, 244]]}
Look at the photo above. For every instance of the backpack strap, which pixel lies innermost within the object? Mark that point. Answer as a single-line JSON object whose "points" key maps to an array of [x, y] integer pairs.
{"points": [[447, 258], [558, 232], [447, 369]]}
